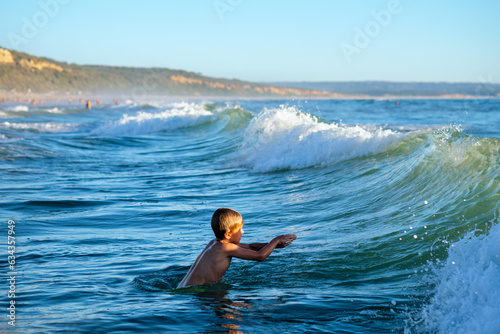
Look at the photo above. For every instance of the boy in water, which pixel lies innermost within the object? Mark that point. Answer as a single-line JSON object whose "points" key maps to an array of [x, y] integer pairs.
{"points": [[215, 259]]}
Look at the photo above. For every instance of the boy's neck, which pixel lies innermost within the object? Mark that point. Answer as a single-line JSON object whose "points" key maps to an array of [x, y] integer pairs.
{"points": [[223, 241]]}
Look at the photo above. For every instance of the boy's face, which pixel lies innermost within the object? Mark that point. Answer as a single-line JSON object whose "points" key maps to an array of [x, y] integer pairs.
{"points": [[236, 235]]}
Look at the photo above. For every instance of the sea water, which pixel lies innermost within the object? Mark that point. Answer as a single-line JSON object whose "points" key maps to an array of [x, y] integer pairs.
{"points": [[395, 206]]}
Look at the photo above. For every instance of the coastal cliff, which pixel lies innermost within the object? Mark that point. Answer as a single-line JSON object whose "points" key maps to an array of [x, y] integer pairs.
{"points": [[21, 72]]}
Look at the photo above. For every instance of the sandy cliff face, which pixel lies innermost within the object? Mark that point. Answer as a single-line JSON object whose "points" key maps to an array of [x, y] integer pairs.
{"points": [[6, 57], [30, 64], [183, 80], [291, 91], [39, 65], [260, 89]]}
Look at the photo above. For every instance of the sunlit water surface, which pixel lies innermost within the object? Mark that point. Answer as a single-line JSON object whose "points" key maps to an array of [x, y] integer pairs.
{"points": [[396, 210]]}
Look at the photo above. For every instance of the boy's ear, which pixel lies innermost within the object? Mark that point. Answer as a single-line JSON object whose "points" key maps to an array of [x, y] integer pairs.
{"points": [[228, 235]]}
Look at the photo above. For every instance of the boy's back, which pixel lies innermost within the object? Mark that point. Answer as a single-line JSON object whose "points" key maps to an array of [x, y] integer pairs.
{"points": [[209, 266]]}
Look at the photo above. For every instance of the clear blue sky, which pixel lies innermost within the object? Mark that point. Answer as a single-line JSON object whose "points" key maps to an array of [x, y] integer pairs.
{"points": [[273, 40]]}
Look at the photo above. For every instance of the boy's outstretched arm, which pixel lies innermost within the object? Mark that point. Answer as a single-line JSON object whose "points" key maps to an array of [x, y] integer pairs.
{"points": [[244, 251], [257, 246]]}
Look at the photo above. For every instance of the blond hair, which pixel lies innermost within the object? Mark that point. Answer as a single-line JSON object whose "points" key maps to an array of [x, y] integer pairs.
{"points": [[225, 220]]}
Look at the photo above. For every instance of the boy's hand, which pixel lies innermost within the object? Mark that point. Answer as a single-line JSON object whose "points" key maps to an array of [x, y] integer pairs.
{"points": [[285, 240]]}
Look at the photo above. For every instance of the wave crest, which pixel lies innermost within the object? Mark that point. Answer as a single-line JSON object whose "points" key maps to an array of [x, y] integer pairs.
{"points": [[181, 115], [50, 127], [286, 138]]}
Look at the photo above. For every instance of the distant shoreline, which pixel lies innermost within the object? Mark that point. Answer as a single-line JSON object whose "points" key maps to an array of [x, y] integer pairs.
{"points": [[401, 89], [42, 98], [28, 78]]}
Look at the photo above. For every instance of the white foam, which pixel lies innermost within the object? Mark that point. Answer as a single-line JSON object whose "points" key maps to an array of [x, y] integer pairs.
{"points": [[284, 137], [4, 138], [19, 108], [51, 127], [467, 296], [180, 116], [54, 110]]}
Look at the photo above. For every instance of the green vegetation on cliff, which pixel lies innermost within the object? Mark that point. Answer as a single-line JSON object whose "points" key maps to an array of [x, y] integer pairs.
{"points": [[22, 72]]}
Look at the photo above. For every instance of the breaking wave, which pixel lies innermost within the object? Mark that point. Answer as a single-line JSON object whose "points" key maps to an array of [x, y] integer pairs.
{"points": [[180, 116], [286, 138]]}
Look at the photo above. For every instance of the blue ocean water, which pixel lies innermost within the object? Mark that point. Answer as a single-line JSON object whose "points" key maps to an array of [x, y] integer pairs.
{"points": [[396, 209]]}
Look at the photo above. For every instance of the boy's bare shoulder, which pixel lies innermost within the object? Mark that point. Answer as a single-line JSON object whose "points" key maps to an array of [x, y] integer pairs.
{"points": [[228, 246], [218, 246], [217, 249]]}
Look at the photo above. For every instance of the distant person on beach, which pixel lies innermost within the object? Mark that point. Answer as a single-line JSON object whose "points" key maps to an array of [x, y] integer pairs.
{"points": [[215, 259], [88, 105]]}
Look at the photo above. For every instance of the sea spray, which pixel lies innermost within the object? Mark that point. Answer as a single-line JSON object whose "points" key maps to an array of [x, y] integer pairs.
{"points": [[467, 293]]}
